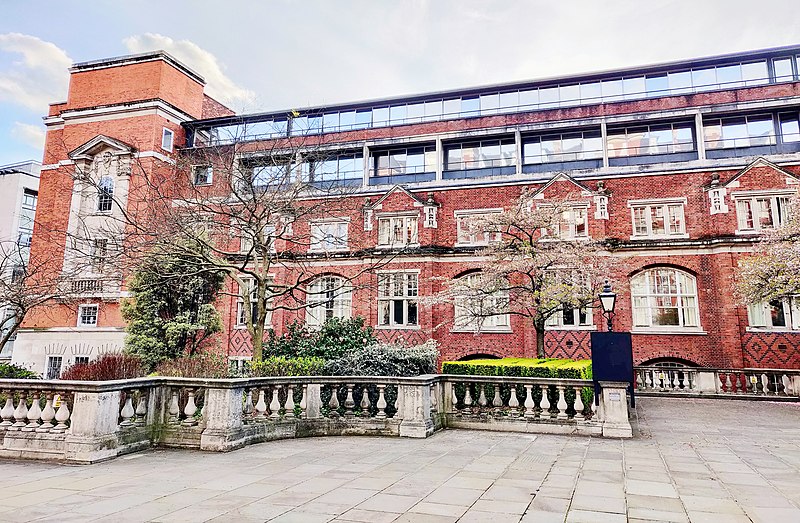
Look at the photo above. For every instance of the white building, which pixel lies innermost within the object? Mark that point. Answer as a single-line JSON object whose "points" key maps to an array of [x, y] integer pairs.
{"points": [[19, 191]]}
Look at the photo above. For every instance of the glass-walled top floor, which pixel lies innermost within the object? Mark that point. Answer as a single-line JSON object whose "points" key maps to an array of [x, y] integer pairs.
{"points": [[499, 100]]}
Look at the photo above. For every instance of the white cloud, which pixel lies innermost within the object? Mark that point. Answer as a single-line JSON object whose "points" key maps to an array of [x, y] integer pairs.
{"points": [[204, 63], [30, 135], [39, 78]]}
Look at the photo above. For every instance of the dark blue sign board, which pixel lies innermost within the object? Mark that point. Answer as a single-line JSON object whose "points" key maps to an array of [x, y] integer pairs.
{"points": [[612, 359]]}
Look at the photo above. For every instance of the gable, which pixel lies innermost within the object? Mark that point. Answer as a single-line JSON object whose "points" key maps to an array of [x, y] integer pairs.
{"points": [[397, 198], [98, 144], [762, 174], [562, 186]]}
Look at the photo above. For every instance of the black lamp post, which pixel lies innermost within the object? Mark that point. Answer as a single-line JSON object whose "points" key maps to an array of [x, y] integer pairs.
{"points": [[608, 299]]}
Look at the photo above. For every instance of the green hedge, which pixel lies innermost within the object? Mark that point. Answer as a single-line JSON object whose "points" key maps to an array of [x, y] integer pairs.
{"points": [[526, 367]]}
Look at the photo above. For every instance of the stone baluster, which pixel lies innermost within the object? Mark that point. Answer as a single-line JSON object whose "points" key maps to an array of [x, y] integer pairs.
{"points": [[275, 404], [127, 411], [764, 384], [513, 402], [381, 402], [248, 408], [593, 407], [434, 404], [333, 404], [174, 408], [787, 385], [288, 407], [738, 383], [48, 414], [497, 401], [672, 377], [141, 408], [349, 402], [728, 383], [365, 403], [455, 397], [578, 406], [304, 402], [640, 377], [653, 379], [259, 411], [544, 404], [467, 399], [34, 413], [20, 413], [530, 413], [482, 401], [7, 412], [561, 405], [190, 410], [62, 415]]}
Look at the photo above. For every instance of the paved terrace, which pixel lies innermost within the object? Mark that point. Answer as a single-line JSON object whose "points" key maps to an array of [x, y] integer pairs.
{"points": [[693, 460]]}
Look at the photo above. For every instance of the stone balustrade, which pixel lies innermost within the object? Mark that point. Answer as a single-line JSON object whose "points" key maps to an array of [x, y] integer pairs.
{"points": [[735, 382], [84, 422]]}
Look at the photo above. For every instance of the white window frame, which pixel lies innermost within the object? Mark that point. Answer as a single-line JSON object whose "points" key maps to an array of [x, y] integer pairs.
{"points": [[167, 139], [649, 207], [27, 196], [209, 169], [87, 306], [105, 195], [239, 362], [269, 238], [253, 300], [320, 243], [321, 297], [556, 320], [480, 237], [48, 366], [759, 317], [572, 224], [777, 214], [389, 301], [410, 225], [651, 297], [493, 323]]}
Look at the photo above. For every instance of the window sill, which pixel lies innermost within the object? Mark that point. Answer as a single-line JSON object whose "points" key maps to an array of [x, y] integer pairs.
{"points": [[571, 328], [684, 236], [203, 184], [398, 246], [398, 327], [673, 332], [325, 251], [244, 327], [772, 330], [481, 331], [552, 239], [748, 232]]}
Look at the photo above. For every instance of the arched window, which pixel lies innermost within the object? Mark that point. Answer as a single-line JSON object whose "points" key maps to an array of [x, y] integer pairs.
{"points": [[328, 297], [105, 194], [664, 297], [479, 309]]}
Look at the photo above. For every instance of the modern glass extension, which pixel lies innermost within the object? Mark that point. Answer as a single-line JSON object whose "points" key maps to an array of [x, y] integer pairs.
{"points": [[607, 88]]}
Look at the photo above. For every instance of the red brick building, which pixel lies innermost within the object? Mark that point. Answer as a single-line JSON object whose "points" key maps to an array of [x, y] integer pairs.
{"points": [[680, 166]]}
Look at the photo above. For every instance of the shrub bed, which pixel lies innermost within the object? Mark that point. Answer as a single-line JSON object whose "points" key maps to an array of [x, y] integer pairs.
{"points": [[525, 367], [283, 366], [106, 367], [12, 371]]}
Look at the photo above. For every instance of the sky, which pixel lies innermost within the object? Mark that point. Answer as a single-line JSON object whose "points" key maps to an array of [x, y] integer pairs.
{"points": [[282, 54]]}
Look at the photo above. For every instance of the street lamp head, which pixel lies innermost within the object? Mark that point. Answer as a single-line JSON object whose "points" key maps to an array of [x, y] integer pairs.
{"points": [[608, 298]]}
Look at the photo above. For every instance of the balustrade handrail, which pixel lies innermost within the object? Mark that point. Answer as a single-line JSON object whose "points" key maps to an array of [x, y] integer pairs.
{"points": [[745, 370], [516, 380]]}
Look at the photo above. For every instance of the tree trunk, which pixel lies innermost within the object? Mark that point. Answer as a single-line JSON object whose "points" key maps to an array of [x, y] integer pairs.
{"points": [[258, 342], [539, 340]]}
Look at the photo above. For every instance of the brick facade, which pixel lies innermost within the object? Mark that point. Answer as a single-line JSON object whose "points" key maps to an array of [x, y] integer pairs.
{"points": [[153, 92]]}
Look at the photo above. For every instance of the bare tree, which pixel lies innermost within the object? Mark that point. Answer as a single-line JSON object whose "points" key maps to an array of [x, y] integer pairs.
{"points": [[532, 270], [27, 286], [244, 209]]}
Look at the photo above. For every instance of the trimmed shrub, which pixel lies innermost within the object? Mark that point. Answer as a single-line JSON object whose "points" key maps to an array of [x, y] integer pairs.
{"points": [[282, 366], [106, 367], [386, 360], [197, 366], [525, 367], [15, 372], [336, 338]]}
